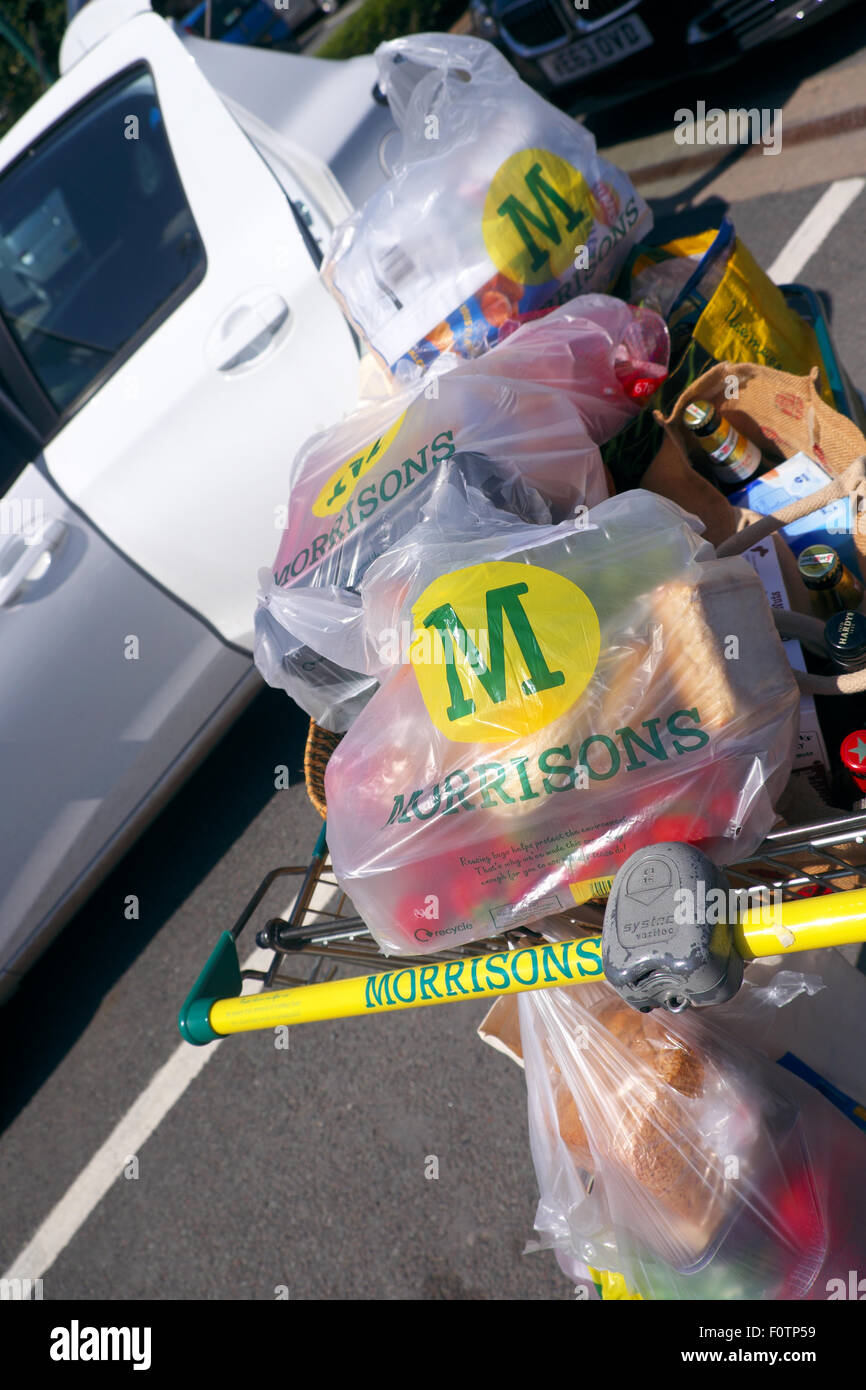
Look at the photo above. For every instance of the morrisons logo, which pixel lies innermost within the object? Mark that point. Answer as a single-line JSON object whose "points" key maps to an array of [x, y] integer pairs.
{"points": [[537, 206], [543, 226], [598, 758], [542, 646], [345, 512], [501, 604], [546, 197]]}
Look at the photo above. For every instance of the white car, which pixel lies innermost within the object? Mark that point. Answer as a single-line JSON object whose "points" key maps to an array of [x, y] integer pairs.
{"points": [[166, 345]]}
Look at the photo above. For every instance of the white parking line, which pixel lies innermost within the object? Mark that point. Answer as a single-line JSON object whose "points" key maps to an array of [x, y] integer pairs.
{"points": [[129, 1136], [814, 229]]}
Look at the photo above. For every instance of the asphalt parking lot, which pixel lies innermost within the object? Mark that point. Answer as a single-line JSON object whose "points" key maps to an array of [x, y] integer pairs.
{"points": [[132, 1167]]}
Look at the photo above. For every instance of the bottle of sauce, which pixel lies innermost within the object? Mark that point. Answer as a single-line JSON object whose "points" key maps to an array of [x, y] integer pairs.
{"points": [[832, 587], [734, 459]]}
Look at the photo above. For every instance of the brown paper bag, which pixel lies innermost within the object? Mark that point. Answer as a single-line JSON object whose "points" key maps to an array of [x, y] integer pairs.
{"points": [[782, 414]]}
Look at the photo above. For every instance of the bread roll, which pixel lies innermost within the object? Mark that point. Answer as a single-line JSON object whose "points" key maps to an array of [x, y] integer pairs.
{"points": [[671, 1061]]}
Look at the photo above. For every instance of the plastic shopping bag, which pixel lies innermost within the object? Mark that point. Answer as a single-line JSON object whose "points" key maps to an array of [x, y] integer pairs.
{"points": [[668, 1152], [499, 206], [536, 409], [710, 287], [824, 1000], [666, 276], [309, 638], [746, 319], [552, 698]]}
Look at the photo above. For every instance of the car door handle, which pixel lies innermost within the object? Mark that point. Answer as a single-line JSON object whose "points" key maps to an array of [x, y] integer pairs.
{"points": [[23, 552], [249, 330]]}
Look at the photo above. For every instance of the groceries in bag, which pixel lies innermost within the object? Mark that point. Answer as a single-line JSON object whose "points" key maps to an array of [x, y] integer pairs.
{"points": [[543, 401], [845, 635], [499, 206], [565, 695], [832, 587], [711, 290], [735, 460], [791, 480], [536, 409], [668, 1152], [720, 307]]}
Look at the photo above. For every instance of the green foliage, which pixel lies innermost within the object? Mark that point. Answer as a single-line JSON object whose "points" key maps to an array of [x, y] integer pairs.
{"points": [[378, 20], [39, 24]]}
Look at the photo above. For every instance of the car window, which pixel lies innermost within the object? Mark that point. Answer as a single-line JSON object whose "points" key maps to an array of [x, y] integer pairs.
{"points": [[225, 14], [96, 238]]}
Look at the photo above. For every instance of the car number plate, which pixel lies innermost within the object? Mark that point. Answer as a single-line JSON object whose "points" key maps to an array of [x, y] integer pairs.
{"points": [[601, 51]]}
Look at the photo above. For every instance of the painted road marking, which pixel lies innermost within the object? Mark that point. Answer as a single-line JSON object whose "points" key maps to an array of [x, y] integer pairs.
{"points": [[130, 1134], [814, 229]]}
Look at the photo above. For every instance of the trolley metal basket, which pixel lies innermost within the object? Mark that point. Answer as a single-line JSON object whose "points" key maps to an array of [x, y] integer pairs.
{"points": [[320, 932]]}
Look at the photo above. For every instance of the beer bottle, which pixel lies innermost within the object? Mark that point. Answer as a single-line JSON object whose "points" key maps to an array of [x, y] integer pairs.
{"points": [[832, 587], [845, 635], [734, 459]]}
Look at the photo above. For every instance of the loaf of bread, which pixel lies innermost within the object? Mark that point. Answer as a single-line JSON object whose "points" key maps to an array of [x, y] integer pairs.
{"points": [[570, 1124]]}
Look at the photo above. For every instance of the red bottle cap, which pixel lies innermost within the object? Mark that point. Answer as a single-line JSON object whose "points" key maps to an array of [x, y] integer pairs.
{"points": [[853, 755]]}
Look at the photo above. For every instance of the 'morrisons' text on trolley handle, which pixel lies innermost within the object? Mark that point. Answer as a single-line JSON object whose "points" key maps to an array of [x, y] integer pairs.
{"points": [[535, 966], [505, 972]]}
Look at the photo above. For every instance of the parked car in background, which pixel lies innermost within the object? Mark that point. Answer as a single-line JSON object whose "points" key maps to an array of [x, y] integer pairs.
{"points": [[565, 45], [257, 22], [166, 345]]}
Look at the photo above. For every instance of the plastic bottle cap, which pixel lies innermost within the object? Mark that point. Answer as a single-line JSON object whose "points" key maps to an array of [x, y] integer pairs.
{"points": [[853, 755]]}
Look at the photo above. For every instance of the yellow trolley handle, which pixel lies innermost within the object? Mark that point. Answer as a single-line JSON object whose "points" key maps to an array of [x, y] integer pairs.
{"points": [[804, 924], [215, 1008]]}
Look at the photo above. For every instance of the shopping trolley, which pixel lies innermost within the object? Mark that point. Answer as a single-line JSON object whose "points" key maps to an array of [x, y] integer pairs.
{"points": [[819, 869]]}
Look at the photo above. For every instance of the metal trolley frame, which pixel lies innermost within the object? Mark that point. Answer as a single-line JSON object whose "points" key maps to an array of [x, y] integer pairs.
{"points": [[310, 943]]}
